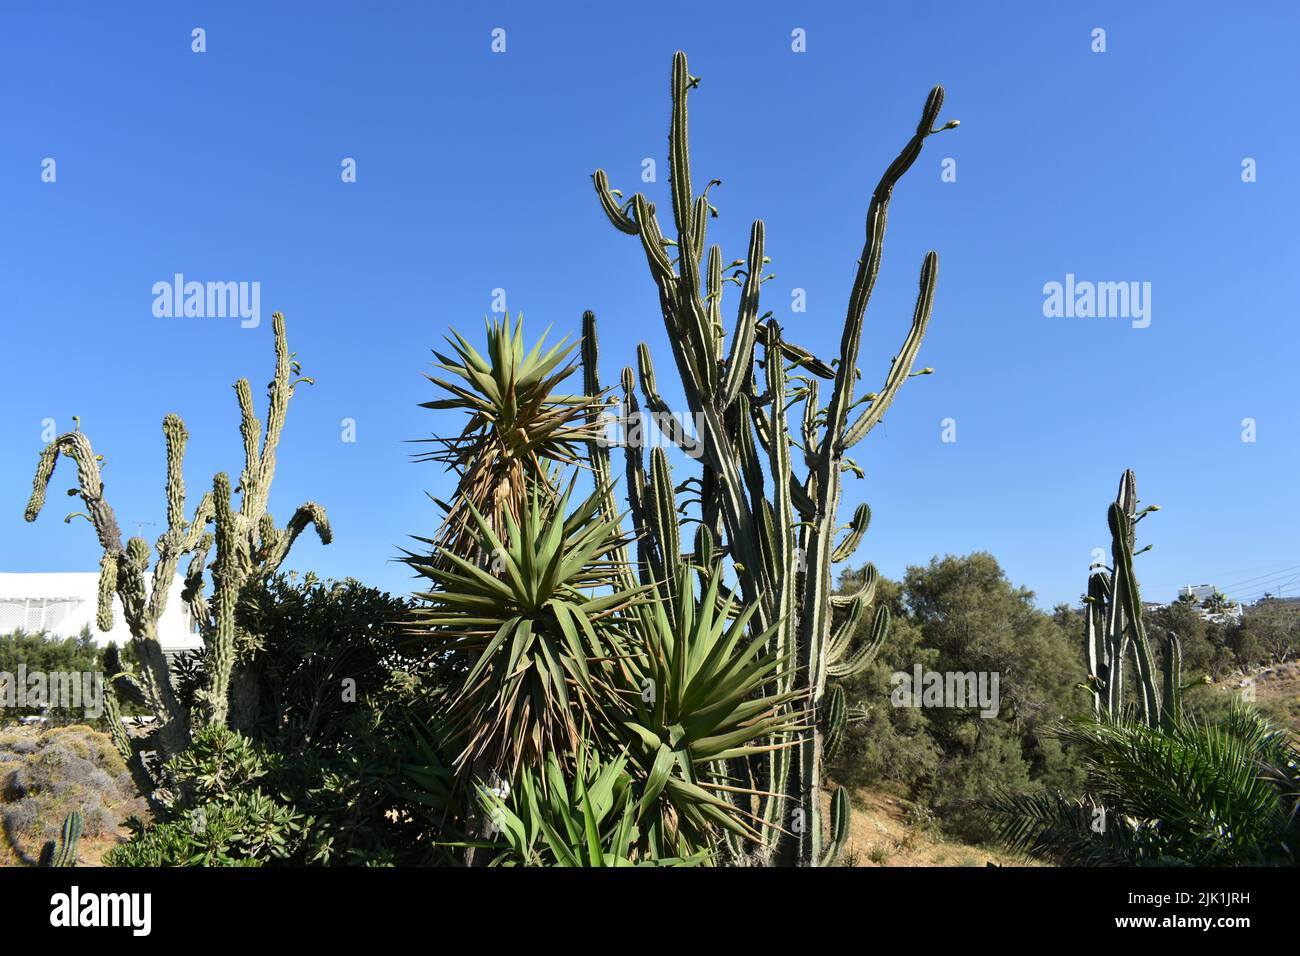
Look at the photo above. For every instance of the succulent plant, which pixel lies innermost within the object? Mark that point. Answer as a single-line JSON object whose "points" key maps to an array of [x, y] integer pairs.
{"points": [[777, 527]]}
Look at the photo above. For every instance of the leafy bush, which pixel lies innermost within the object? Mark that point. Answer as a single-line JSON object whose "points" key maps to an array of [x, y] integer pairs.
{"points": [[223, 816], [1201, 794], [314, 772], [962, 614]]}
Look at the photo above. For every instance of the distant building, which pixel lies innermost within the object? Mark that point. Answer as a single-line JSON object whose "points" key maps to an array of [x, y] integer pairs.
{"points": [[64, 604], [1200, 592]]}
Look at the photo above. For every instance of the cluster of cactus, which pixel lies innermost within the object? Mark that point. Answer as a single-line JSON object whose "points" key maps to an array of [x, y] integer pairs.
{"points": [[777, 528], [1113, 626], [248, 547]]}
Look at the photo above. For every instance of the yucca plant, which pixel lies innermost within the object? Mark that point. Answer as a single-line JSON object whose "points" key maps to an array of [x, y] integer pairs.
{"points": [[590, 822], [1203, 794], [520, 637], [519, 427]]}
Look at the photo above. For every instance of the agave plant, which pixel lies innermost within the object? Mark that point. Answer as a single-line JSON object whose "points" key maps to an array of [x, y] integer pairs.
{"points": [[518, 427], [591, 823], [1204, 794], [698, 697], [523, 639]]}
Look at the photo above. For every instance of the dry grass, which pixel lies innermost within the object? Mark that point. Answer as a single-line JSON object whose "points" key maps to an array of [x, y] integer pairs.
{"points": [[45, 775]]}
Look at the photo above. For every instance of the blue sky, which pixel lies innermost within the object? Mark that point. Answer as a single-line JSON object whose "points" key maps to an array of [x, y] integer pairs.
{"points": [[473, 174]]}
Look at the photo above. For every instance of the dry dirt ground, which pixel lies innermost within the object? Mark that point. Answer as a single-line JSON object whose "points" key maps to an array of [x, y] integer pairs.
{"points": [[1276, 691], [883, 833]]}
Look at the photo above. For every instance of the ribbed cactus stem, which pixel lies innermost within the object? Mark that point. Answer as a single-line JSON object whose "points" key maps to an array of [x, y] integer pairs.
{"points": [[1113, 625], [65, 853], [776, 527], [841, 815], [107, 588], [837, 716], [1172, 706]]}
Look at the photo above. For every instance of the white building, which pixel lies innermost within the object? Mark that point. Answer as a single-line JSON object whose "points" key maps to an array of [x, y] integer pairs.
{"points": [[63, 604], [1200, 592]]}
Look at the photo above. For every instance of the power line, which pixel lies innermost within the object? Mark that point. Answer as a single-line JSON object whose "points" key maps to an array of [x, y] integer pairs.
{"points": [[1230, 574]]}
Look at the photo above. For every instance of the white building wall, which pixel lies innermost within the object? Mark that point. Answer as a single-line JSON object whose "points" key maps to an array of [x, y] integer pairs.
{"points": [[62, 604]]}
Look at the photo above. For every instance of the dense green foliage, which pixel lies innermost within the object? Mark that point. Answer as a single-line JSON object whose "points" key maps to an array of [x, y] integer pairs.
{"points": [[316, 772], [1199, 794], [962, 614]]}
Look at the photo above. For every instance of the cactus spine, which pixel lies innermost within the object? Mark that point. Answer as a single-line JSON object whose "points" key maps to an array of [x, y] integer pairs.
{"points": [[1113, 627], [778, 528], [248, 546]]}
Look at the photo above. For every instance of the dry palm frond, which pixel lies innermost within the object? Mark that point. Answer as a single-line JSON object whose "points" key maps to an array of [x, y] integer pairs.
{"points": [[524, 640]]}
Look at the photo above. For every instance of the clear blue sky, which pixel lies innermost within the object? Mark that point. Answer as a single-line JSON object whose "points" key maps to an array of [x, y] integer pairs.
{"points": [[473, 173]]}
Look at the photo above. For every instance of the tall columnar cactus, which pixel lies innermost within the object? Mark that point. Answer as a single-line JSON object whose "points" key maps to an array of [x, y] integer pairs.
{"points": [[247, 542], [1113, 627], [777, 527], [65, 851]]}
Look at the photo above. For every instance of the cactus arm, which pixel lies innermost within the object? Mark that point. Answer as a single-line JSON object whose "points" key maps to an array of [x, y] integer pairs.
{"points": [[865, 592], [714, 300], [250, 430], [836, 719], [844, 630], [808, 428], [665, 532], [76, 445], [866, 653], [869, 266], [840, 815], [782, 575], [180, 536], [598, 451], [229, 571], [279, 391], [740, 358], [679, 153], [309, 513], [192, 594], [1096, 648], [107, 588], [608, 202], [1172, 710], [665, 419], [901, 369], [857, 528]]}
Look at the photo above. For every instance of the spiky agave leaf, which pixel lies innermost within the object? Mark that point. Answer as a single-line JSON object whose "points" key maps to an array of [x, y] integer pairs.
{"points": [[518, 427], [698, 695], [525, 633], [591, 823]]}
